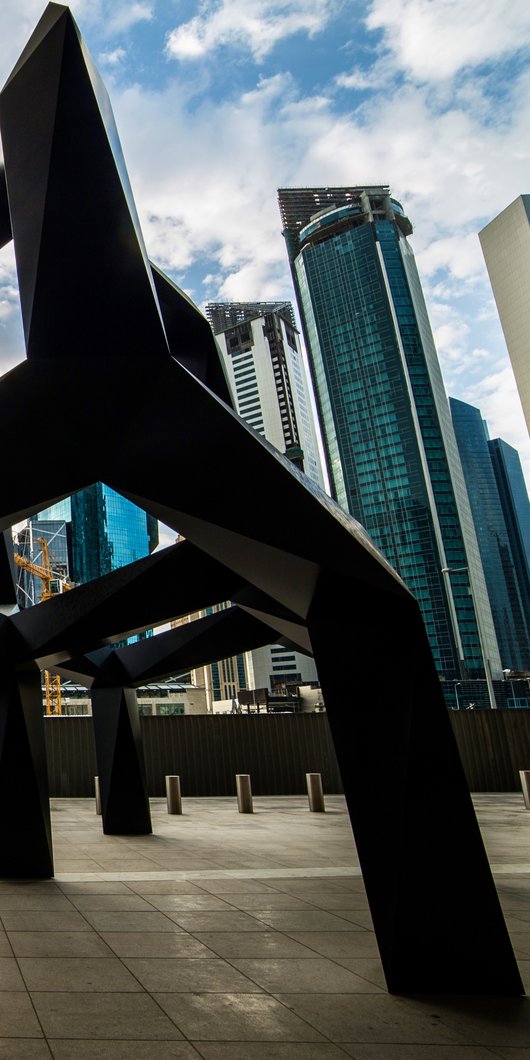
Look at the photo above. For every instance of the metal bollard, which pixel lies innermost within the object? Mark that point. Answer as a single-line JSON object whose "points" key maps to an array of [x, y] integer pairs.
{"points": [[98, 796], [315, 793], [173, 796], [525, 784], [244, 793]]}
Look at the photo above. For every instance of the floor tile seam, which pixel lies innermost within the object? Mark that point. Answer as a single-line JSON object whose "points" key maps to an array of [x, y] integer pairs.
{"points": [[211, 874], [319, 957], [28, 995], [275, 1041], [470, 1043]]}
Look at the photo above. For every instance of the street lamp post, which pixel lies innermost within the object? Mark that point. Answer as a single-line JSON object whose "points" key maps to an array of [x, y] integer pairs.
{"points": [[487, 669]]}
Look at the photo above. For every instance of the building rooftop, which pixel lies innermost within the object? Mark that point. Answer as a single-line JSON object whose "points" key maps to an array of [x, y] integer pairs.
{"points": [[225, 315]]}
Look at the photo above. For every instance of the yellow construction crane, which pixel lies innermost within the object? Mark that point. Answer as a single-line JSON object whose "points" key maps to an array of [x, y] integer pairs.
{"points": [[52, 584]]}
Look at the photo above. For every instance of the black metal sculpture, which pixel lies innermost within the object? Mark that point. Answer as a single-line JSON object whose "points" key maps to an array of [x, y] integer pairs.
{"points": [[148, 415]]}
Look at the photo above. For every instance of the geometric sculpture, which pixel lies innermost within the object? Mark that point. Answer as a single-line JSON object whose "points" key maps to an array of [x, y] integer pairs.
{"points": [[148, 414], [124, 802]]}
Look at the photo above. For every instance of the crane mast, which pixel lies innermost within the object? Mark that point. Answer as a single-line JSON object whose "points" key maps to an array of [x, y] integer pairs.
{"points": [[51, 585]]}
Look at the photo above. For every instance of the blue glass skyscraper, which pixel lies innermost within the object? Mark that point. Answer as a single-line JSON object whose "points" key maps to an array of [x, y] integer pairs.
{"points": [[390, 448], [507, 605], [516, 510], [107, 531]]}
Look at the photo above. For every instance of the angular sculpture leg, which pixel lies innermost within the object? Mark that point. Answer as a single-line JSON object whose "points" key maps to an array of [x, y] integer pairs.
{"points": [[120, 760], [25, 832], [436, 914]]}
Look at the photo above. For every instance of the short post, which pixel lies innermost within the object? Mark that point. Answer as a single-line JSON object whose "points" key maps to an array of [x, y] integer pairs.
{"points": [[244, 793], [98, 796], [174, 799], [315, 793], [525, 784]]}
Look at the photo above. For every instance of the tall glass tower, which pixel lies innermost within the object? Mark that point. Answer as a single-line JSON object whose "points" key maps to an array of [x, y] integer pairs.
{"points": [[516, 510], [507, 605], [107, 531], [389, 443]]}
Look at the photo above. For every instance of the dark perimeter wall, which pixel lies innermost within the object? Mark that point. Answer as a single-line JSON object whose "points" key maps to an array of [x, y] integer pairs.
{"points": [[206, 752]]}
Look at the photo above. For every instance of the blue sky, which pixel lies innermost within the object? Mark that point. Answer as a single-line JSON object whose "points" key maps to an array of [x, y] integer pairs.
{"points": [[220, 103]]}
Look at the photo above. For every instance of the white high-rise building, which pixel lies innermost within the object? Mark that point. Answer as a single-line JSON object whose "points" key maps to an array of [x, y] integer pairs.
{"points": [[260, 345], [505, 244]]}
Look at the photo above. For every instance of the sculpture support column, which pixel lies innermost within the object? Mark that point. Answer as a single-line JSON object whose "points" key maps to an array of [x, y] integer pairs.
{"points": [[120, 760], [25, 832], [436, 913]]}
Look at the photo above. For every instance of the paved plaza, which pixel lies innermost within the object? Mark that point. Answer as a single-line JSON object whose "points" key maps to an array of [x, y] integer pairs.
{"points": [[234, 937]]}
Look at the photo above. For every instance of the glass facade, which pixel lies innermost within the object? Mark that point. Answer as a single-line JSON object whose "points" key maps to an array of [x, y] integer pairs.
{"points": [[495, 549], [516, 510], [383, 409], [107, 531]]}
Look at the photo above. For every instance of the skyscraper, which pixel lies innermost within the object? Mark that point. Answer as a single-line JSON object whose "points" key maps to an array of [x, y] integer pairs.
{"points": [[261, 350], [105, 531], [516, 509], [387, 432], [510, 617], [505, 244]]}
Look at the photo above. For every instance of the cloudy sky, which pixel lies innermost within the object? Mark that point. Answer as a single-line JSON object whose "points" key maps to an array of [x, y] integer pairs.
{"points": [[220, 103]]}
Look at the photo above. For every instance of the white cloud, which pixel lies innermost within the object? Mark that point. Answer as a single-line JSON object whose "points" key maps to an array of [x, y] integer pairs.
{"points": [[112, 58], [256, 25], [126, 15], [433, 39]]}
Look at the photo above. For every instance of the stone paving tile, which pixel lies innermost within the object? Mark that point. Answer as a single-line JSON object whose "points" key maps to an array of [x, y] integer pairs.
{"points": [[303, 976], [17, 1018], [512, 1054], [248, 944], [233, 885], [169, 944], [44, 887], [99, 887], [337, 944], [166, 887], [304, 920], [118, 1050], [178, 975], [10, 977], [58, 944], [369, 968], [5, 948], [191, 903], [521, 943], [54, 902], [269, 1051], [301, 886], [77, 973], [44, 921], [337, 900], [114, 920], [420, 1052], [360, 917], [265, 902], [125, 1016], [235, 1017], [24, 1049], [230, 921], [91, 903], [376, 1018], [485, 1021]]}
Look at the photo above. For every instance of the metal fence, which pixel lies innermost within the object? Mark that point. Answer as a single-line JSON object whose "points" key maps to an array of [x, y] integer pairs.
{"points": [[277, 751]]}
